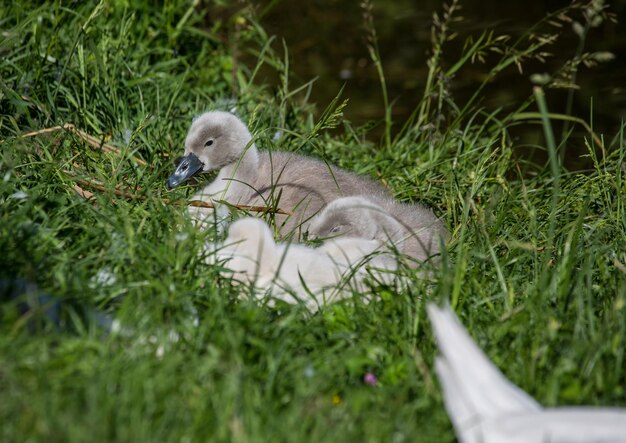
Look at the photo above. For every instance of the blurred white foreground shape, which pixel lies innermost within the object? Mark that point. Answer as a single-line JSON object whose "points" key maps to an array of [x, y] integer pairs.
{"points": [[485, 407]]}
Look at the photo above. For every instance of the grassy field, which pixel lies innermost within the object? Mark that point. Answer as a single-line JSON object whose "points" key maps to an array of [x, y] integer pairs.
{"points": [[536, 268]]}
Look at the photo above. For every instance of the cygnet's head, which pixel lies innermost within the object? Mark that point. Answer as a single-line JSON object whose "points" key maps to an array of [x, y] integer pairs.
{"points": [[354, 217], [215, 139]]}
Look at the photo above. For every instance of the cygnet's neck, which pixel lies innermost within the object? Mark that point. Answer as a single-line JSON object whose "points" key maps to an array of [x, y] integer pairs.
{"points": [[246, 165]]}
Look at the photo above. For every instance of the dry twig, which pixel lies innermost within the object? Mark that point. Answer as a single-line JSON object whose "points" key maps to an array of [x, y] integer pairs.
{"points": [[90, 139]]}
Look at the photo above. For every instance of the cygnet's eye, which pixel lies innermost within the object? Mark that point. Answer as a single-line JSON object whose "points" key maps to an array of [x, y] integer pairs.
{"points": [[209, 142], [335, 230]]}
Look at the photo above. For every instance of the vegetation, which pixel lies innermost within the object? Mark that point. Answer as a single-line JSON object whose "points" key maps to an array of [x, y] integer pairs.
{"points": [[536, 267]]}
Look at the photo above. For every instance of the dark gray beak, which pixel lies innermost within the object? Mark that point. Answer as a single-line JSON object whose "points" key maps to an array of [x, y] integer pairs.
{"points": [[189, 166]]}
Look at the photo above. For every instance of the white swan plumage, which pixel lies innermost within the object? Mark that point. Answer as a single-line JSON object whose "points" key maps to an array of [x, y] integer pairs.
{"points": [[485, 407]]}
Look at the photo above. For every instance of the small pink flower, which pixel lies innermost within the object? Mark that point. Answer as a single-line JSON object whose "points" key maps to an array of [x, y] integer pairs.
{"points": [[370, 379]]}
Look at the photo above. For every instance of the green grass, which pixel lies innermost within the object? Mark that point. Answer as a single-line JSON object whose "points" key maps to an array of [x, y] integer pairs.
{"points": [[536, 267]]}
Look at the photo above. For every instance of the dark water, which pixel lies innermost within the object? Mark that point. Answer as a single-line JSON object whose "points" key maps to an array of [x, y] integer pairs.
{"points": [[326, 39]]}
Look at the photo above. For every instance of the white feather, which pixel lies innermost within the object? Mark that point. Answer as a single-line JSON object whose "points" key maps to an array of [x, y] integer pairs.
{"points": [[485, 407]]}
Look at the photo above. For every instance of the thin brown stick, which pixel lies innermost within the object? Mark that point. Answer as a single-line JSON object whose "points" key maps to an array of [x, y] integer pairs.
{"points": [[48, 130], [196, 203], [90, 139], [101, 187], [203, 204]]}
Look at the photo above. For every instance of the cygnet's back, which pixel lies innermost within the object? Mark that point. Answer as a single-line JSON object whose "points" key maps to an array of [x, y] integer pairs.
{"points": [[425, 231], [304, 185], [413, 229]]}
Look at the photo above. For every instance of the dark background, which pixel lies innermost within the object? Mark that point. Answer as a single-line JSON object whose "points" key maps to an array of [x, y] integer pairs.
{"points": [[327, 39]]}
